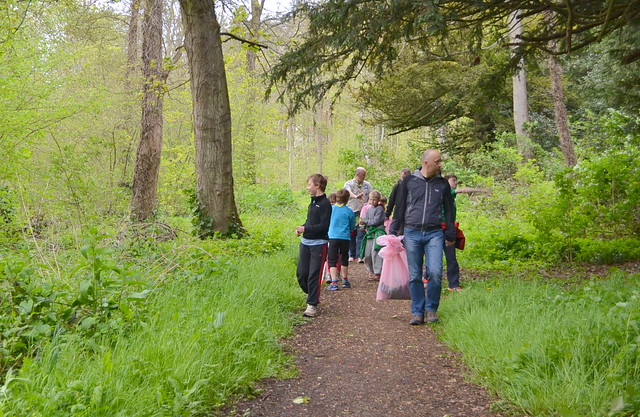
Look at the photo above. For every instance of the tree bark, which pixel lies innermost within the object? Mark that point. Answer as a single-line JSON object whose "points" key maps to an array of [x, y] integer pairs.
{"points": [[132, 45], [520, 97], [145, 177], [560, 110], [559, 106], [289, 132], [212, 120]]}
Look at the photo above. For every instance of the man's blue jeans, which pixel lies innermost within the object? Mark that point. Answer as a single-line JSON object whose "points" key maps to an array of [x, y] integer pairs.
{"points": [[420, 244]]}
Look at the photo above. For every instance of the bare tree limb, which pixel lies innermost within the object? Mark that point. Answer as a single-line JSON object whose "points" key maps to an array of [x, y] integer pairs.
{"points": [[231, 35]]}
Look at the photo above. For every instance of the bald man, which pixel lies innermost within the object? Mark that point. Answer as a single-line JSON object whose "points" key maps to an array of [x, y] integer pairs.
{"points": [[421, 200]]}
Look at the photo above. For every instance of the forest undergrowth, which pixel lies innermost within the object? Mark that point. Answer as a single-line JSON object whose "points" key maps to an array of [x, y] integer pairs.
{"points": [[128, 319], [185, 326]]}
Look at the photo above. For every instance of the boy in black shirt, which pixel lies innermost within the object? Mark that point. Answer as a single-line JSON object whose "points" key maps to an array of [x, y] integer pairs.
{"points": [[313, 245]]}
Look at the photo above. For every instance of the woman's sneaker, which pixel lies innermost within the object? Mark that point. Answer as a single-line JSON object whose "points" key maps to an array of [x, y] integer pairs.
{"points": [[346, 283], [333, 287], [311, 311]]}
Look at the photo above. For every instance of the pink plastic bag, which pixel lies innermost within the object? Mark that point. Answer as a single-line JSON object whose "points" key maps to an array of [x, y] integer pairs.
{"points": [[327, 273], [387, 223], [394, 280]]}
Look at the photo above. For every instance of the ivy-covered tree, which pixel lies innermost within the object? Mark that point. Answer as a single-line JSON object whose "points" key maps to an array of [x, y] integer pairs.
{"points": [[216, 205]]}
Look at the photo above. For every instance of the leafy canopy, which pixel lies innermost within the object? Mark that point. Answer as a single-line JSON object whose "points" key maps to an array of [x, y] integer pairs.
{"points": [[346, 37]]}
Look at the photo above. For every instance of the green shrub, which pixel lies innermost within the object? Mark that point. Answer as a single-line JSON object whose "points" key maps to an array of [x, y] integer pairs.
{"points": [[93, 296], [263, 199], [607, 251], [9, 231]]}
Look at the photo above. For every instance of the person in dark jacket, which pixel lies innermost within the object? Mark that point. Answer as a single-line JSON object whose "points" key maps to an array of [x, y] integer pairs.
{"points": [[313, 245], [394, 191], [422, 199], [453, 268]]}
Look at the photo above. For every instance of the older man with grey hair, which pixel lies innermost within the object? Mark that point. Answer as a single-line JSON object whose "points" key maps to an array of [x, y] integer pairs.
{"points": [[359, 190]]}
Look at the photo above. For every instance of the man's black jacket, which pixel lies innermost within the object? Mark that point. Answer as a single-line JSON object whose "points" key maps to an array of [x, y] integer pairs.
{"points": [[420, 204]]}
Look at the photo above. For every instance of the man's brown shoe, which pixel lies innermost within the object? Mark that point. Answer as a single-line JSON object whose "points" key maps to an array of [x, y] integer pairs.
{"points": [[432, 317], [416, 320]]}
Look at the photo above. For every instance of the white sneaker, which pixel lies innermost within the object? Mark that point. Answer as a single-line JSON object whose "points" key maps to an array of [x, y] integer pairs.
{"points": [[311, 311]]}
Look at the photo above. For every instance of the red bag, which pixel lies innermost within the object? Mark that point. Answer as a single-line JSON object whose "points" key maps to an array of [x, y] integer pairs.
{"points": [[460, 239]]}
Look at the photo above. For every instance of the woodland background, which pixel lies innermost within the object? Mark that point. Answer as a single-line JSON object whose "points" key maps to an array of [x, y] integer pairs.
{"points": [[87, 269]]}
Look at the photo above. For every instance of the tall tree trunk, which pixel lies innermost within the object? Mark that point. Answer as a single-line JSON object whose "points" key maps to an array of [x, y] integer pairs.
{"points": [[289, 132], [248, 153], [520, 97], [321, 122], [560, 110], [132, 45], [254, 27], [212, 120], [145, 177], [559, 107], [318, 137]]}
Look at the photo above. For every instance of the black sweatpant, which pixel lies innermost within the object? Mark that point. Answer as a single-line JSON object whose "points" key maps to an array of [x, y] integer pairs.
{"points": [[309, 271], [453, 268]]}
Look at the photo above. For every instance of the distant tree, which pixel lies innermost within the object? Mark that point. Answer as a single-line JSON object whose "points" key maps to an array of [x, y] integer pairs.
{"points": [[132, 42], [560, 108], [145, 177], [249, 154], [520, 93]]}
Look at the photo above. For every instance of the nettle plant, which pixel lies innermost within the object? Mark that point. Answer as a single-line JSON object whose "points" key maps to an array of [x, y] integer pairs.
{"points": [[97, 297], [107, 294]]}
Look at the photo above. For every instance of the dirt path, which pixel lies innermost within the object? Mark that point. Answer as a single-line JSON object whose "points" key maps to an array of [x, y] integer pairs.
{"points": [[362, 358]]}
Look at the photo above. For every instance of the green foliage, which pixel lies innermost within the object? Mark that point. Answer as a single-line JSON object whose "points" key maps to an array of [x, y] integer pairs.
{"points": [[265, 199], [8, 226], [548, 350], [94, 297], [350, 159], [199, 343], [343, 38], [534, 218], [608, 190], [499, 159], [608, 252], [107, 293], [600, 80]]}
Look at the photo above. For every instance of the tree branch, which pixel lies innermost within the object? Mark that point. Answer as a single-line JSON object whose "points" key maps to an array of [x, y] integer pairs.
{"points": [[231, 35]]}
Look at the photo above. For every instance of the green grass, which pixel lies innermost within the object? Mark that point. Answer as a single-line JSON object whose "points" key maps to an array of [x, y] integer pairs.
{"points": [[203, 341], [211, 326], [550, 351]]}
